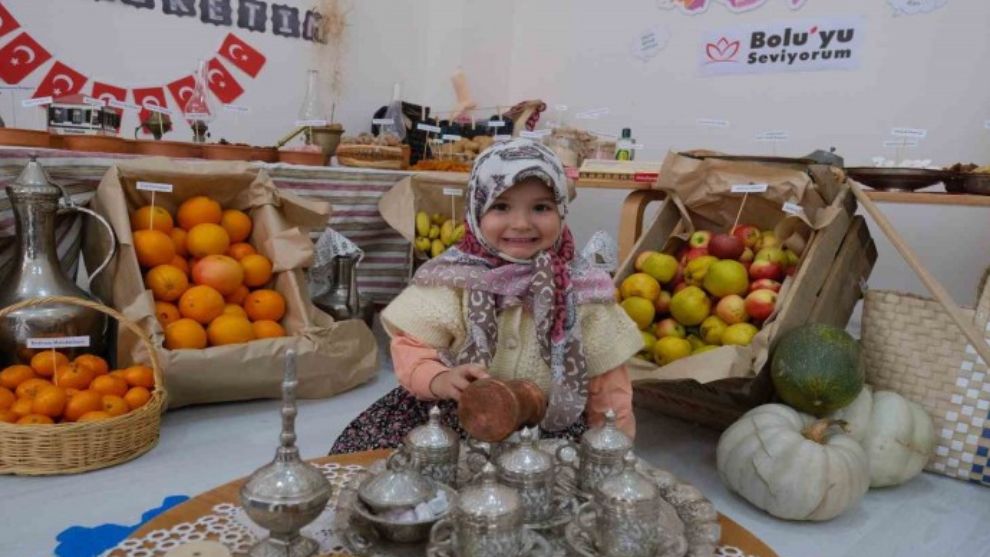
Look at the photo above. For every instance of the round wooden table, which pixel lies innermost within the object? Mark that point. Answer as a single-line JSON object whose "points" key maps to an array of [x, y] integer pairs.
{"points": [[732, 533]]}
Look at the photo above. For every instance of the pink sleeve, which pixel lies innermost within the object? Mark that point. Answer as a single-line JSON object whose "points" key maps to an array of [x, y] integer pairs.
{"points": [[612, 389], [416, 364]]}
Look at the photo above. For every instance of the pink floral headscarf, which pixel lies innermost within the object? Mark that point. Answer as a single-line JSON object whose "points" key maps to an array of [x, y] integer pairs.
{"points": [[551, 285]]}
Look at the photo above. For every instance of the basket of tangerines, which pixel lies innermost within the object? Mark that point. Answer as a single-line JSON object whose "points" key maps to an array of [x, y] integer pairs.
{"points": [[60, 415]]}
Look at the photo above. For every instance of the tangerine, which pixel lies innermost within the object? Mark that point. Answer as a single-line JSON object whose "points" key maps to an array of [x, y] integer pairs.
{"points": [[8, 416], [137, 397], [265, 304], [44, 363], [185, 333], [21, 407], [94, 416], [166, 282], [178, 236], [109, 385], [207, 239], [74, 376], [237, 224], [238, 296], [239, 250], [221, 272], [13, 376], [152, 218], [201, 303], [7, 398], [30, 388], [234, 309], [139, 376], [82, 402], [229, 329], [180, 263], [265, 328], [35, 419], [114, 405], [198, 210], [95, 363], [257, 270], [153, 247], [167, 313], [49, 402]]}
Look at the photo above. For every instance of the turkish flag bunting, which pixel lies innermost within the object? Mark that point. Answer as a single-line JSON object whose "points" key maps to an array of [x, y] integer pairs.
{"points": [[182, 89], [107, 92], [223, 85], [20, 57], [7, 21], [151, 95], [60, 81], [241, 55]]}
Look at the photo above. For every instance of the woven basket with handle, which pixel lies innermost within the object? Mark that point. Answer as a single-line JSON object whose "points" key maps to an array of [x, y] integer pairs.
{"points": [[68, 448]]}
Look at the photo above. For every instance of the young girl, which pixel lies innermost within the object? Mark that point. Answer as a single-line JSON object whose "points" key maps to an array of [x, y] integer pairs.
{"points": [[513, 301]]}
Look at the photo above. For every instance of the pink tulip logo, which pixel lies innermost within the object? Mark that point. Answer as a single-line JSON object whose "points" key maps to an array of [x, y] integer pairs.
{"points": [[722, 51]]}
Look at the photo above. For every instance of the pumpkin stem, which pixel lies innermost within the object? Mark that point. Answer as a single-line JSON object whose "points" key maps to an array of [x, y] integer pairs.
{"points": [[815, 431]]}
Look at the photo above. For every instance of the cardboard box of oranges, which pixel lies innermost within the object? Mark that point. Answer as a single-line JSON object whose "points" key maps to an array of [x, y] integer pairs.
{"points": [[210, 261]]}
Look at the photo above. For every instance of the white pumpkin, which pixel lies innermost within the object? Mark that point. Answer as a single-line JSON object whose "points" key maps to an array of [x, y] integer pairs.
{"points": [[897, 434], [792, 465]]}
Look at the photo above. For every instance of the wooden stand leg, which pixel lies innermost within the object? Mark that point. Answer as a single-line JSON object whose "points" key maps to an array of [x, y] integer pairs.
{"points": [[631, 218]]}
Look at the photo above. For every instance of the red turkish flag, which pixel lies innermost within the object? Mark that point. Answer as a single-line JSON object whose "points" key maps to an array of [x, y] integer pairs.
{"points": [[223, 85], [149, 95], [182, 89], [20, 57], [7, 21], [242, 55], [60, 81], [106, 92]]}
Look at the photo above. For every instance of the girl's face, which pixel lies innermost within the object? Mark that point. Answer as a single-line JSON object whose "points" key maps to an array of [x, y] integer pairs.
{"points": [[523, 220]]}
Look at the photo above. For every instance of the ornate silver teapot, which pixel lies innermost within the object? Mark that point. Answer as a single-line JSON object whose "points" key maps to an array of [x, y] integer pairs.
{"points": [[344, 302], [36, 273], [600, 453], [436, 448], [531, 472], [400, 486]]}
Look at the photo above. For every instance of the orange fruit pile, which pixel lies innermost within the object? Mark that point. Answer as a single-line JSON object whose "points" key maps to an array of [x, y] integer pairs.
{"points": [[210, 285], [54, 390]]}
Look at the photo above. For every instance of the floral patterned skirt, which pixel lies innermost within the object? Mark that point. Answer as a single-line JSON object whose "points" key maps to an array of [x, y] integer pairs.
{"points": [[385, 423]]}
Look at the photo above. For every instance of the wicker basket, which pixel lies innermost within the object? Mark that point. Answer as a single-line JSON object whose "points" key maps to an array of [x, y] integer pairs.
{"points": [[69, 448], [913, 347]]}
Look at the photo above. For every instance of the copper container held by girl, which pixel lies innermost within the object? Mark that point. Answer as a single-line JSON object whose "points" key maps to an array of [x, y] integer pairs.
{"points": [[491, 409]]}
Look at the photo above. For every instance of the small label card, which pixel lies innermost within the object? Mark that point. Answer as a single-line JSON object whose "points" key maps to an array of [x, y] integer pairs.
{"points": [[909, 132], [495, 123], [428, 128], [124, 105], [749, 188], [93, 101], [58, 342], [382, 122], [236, 108], [154, 186], [711, 123], [311, 123], [792, 208], [538, 134], [773, 135], [456, 192], [36, 102]]}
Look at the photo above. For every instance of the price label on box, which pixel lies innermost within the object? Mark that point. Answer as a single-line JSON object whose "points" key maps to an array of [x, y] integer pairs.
{"points": [[450, 137], [428, 128], [792, 208], [55, 343], [749, 188], [456, 192], [154, 186], [382, 122]]}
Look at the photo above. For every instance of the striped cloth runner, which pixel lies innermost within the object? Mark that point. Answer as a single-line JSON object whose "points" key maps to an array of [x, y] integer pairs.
{"points": [[353, 192]]}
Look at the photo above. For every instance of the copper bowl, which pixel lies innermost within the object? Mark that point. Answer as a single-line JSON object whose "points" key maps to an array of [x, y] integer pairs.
{"points": [[97, 144], [221, 152], [490, 410], [177, 149], [21, 137], [307, 158]]}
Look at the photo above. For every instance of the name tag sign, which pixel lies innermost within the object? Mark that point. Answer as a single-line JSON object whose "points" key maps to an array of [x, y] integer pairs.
{"points": [[36, 102], [456, 192], [428, 128], [58, 342], [749, 188], [792, 208], [154, 186]]}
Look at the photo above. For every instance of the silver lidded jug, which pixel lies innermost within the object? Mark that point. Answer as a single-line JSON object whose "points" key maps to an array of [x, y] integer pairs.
{"points": [[344, 302], [601, 452], [531, 472], [34, 199], [436, 448]]}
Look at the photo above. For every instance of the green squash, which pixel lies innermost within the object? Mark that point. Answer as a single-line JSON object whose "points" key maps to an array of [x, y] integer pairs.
{"points": [[817, 369]]}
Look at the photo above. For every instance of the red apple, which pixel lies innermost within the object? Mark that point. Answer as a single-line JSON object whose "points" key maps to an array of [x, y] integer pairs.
{"points": [[700, 239], [641, 258], [669, 328], [764, 269], [692, 254], [747, 256], [749, 234], [764, 284], [760, 304], [724, 246], [662, 304], [732, 309]]}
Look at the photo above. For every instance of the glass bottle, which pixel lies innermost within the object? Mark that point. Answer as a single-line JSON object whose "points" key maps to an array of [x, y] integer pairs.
{"points": [[624, 147], [311, 112], [197, 110]]}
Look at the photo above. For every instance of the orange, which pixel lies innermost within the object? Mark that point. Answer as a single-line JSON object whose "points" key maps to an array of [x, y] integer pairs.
{"points": [[219, 271], [114, 405], [185, 333], [7, 398], [257, 270], [139, 376], [142, 219], [13, 376], [44, 363], [267, 329], [109, 385], [82, 402], [153, 248], [8, 416], [207, 239], [74, 376], [229, 329], [30, 388], [166, 282], [181, 264], [94, 416], [265, 304], [237, 224], [239, 250], [49, 402], [178, 236], [201, 303], [95, 363], [21, 407], [234, 309], [198, 210], [71, 392], [118, 373], [137, 397], [167, 313], [238, 296], [35, 419]]}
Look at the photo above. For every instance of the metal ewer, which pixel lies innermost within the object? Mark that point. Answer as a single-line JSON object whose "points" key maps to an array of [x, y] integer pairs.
{"points": [[288, 493], [436, 448]]}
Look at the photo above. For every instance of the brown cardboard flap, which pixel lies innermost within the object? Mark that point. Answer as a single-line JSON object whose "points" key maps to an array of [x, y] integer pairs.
{"points": [[421, 192]]}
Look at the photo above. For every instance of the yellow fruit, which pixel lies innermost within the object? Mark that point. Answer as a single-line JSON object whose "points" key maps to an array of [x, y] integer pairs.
{"points": [[458, 232], [740, 334], [434, 232], [640, 310], [423, 244], [670, 349], [704, 348], [660, 266], [695, 342], [648, 341], [641, 285], [447, 232], [436, 248], [696, 269], [690, 306], [422, 224], [712, 329], [726, 277], [641, 258], [437, 219], [229, 329]]}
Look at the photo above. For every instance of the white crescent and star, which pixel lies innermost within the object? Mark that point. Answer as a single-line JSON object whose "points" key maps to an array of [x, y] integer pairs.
{"points": [[31, 55], [185, 92], [69, 83], [233, 54], [213, 73]]}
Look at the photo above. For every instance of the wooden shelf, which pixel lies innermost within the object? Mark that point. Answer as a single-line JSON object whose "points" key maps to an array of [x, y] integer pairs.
{"points": [[929, 198]]}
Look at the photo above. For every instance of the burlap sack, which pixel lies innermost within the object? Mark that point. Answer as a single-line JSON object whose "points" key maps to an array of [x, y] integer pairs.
{"points": [[331, 356]]}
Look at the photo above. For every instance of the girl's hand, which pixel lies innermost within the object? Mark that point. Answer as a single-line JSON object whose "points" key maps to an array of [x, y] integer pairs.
{"points": [[450, 383]]}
